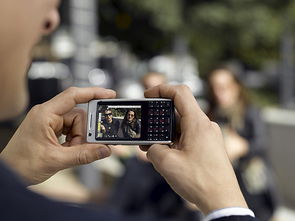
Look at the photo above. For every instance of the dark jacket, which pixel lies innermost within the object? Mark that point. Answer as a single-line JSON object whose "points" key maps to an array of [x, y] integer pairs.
{"points": [[260, 194], [130, 129], [111, 128], [18, 203], [236, 218]]}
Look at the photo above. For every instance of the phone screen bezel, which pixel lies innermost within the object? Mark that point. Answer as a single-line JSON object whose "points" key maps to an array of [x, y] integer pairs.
{"points": [[143, 140]]}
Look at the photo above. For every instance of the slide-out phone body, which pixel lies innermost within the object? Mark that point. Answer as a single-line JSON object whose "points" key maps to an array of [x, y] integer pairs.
{"points": [[131, 122]]}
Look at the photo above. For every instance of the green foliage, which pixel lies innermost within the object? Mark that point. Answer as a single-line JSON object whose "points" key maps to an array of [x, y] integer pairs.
{"points": [[264, 97], [165, 14], [216, 30], [247, 30], [121, 112]]}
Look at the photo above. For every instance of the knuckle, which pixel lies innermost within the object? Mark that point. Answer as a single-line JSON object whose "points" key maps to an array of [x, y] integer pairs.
{"points": [[159, 158], [51, 156], [82, 158], [167, 160], [215, 127], [80, 114], [170, 157], [205, 125], [37, 109], [72, 90], [80, 111], [184, 88]]}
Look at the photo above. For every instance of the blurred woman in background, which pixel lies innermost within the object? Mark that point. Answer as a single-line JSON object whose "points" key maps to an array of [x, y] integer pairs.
{"points": [[243, 132]]}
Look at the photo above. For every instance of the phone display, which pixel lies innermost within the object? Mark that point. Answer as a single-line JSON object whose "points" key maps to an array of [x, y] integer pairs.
{"points": [[121, 121]]}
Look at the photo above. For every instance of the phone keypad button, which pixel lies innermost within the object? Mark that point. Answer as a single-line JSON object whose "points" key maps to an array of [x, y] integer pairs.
{"points": [[151, 112], [156, 121], [159, 120], [151, 121], [156, 129], [164, 136]]}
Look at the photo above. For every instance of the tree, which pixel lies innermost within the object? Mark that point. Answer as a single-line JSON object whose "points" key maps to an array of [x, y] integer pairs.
{"points": [[216, 30]]}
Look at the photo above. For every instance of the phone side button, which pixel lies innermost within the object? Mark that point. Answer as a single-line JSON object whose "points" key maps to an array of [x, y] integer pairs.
{"points": [[90, 122]]}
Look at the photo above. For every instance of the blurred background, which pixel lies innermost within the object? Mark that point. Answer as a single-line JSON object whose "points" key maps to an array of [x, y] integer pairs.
{"points": [[130, 45]]}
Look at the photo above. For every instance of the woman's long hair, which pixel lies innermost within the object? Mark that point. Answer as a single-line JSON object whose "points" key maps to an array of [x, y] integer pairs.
{"points": [[243, 100], [125, 120]]}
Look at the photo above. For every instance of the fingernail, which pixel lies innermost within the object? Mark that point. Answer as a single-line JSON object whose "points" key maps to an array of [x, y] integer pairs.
{"points": [[104, 152], [110, 91]]}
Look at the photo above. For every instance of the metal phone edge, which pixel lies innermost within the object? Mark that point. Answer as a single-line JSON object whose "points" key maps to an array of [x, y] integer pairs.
{"points": [[91, 121]]}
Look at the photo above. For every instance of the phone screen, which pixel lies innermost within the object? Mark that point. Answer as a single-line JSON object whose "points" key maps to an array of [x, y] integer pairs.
{"points": [[119, 121]]}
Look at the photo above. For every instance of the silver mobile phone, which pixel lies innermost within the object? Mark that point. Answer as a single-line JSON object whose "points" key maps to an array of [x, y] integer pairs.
{"points": [[131, 122]]}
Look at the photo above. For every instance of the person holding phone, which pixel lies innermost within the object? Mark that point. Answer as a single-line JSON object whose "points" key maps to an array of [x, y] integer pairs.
{"points": [[196, 167]]}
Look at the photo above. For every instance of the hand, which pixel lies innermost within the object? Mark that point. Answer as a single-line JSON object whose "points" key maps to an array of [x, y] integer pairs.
{"points": [[196, 166], [132, 133], [103, 129], [34, 151], [235, 145]]}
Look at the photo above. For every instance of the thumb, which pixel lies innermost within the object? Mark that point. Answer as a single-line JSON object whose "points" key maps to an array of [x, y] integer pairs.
{"points": [[84, 154], [157, 154]]}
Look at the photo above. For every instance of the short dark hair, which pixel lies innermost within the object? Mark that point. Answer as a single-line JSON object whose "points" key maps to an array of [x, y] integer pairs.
{"points": [[108, 110]]}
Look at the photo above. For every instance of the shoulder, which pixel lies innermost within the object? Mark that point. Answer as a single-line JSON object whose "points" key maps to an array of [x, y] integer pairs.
{"points": [[116, 121]]}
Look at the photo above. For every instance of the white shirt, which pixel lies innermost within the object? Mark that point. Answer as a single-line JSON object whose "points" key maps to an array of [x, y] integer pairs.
{"points": [[232, 211]]}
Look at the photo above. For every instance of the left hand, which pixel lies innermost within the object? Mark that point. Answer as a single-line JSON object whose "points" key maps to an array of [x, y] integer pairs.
{"points": [[35, 152], [235, 145]]}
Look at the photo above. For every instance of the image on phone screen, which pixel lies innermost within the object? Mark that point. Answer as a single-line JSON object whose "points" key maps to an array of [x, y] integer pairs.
{"points": [[118, 122], [134, 122]]}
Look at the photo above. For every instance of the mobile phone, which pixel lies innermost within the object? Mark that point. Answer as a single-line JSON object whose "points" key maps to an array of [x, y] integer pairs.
{"points": [[131, 122]]}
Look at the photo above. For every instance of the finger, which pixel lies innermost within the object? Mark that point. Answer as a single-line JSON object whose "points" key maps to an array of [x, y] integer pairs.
{"points": [[83, 154], [67, 100], [75, 121], [144, 147], [157, 154], [177, 124], [190, 117], [182, 96]]}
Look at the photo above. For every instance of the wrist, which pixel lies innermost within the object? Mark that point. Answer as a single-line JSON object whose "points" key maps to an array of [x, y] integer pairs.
{"points": [[230, 211], [18, 166], [223, 200]]}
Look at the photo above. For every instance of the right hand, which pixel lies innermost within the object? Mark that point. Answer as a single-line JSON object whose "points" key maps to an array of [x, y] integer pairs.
{"points": [[235, 145], [196, 166], [103, 129], [132, 133]]}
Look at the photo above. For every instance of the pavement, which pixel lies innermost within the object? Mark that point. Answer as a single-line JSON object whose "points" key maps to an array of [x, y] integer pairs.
{"points": [[280, 125], [284, 214]]}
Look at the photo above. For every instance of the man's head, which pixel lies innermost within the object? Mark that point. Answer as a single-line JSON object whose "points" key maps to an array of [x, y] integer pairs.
{"points": [[108, 116], [22, 24], [130, 115]]}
